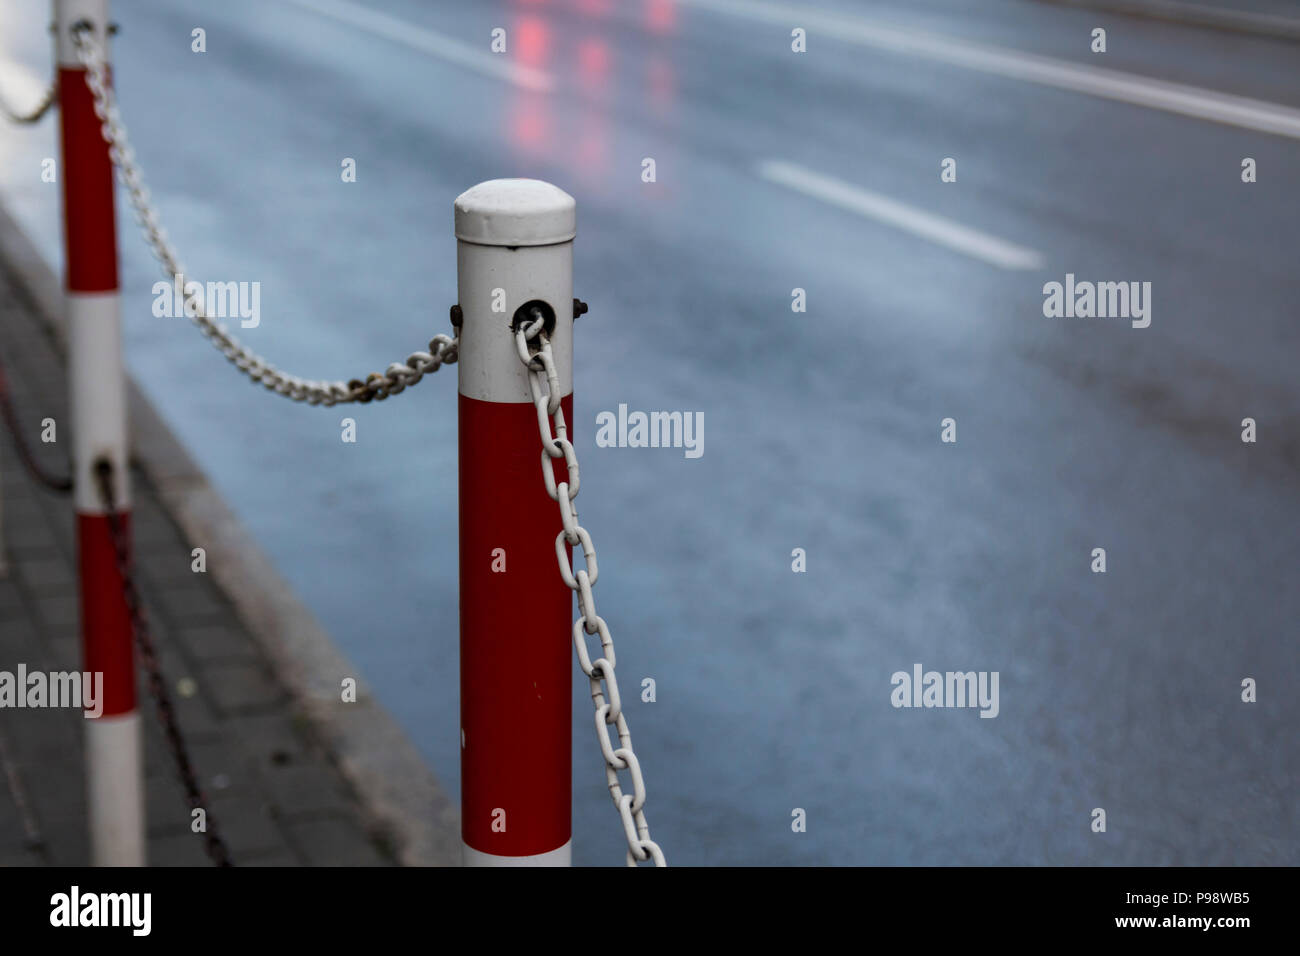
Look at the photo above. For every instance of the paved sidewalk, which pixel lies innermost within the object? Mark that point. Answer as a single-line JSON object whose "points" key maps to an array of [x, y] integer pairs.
{"points": [[275, 793]]}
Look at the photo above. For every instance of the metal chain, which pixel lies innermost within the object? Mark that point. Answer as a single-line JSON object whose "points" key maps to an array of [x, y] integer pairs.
{"points": [[216, 847], [53, 482], [26, 119], [443, 349], [544, 384]]}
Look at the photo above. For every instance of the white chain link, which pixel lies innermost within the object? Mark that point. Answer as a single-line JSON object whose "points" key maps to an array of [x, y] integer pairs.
{"points": [[443, 349], [544, 384], [35, 115]]}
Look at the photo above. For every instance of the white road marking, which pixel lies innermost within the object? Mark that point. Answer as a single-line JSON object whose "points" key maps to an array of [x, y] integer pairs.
{"points": [[1132, 88], [427, 41], [944, 232]]}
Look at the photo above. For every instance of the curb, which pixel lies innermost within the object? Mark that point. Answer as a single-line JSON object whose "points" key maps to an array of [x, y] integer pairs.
{"points": [[1191, 14], [400, 797]]}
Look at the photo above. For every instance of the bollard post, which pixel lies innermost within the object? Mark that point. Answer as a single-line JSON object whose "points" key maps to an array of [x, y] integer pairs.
{"points": [[514, 249], [114, 779]]}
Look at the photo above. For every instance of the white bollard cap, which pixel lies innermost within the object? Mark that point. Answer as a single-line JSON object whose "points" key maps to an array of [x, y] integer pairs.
{"points": [[515, 212]]}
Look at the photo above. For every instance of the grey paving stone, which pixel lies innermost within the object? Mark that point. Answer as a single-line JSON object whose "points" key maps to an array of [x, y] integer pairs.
{"points": [[24, 858], [194, 603], [274, 858], [197, 722], [67, 844], [242, 688], [63, 525], [168, 810], [272, 739], [26, 532], [300, 789], [38, 735], [18, 637], [168, 566], [13, 834], [249, 828], [59, 615], [153, 530], [225, 643], [181, 848], [11, 600], [334, 841], [60, 810], [44, 576], [65, 650]]}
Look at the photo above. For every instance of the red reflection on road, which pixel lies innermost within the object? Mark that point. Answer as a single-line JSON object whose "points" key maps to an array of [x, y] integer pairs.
{"points": [[593, 151], [662, 81], [532, 41], [593, 145], [529, 122], [593, 60], [661, 15]]}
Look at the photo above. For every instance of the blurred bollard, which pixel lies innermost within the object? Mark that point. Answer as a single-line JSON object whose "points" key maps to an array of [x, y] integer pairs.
{"points": [[114, 777]]}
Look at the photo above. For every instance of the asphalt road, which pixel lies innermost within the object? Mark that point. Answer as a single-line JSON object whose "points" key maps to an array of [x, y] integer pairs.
{"points": [[779, 170]]}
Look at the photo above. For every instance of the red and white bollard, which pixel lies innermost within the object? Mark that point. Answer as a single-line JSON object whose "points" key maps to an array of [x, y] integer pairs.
{"points": [[514, 248], [114, 778]]}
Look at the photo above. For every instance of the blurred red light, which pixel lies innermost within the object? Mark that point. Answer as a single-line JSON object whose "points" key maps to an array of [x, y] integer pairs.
{"points": [[593, 57], [661, 15], [532, 41]]}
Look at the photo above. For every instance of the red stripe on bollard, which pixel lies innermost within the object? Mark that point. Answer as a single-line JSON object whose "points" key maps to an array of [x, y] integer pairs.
{"points": [[516, 670], [87, 175], [106, 634]]}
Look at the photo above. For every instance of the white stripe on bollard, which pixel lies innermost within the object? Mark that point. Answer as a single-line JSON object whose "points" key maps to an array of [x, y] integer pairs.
{"points": [[66, 14], [115, 798], [561, 857], [98, 393]]}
